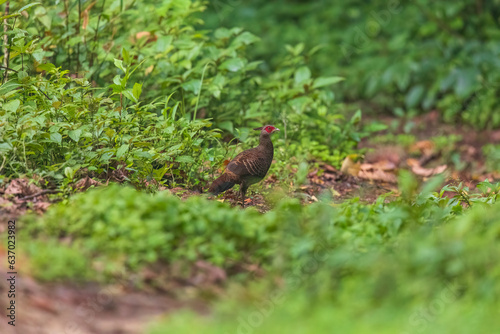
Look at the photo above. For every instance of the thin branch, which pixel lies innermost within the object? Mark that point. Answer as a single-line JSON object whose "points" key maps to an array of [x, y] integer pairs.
{"points": [[3, 163], [40, 193], [93, 54], [66, 9], [6, 51], [8, 68], [78, 33]]}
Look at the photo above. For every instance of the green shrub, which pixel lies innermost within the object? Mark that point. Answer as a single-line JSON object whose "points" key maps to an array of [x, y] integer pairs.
{"points": [[77, 100], [128, 229], [430, 278], [135, 229], [52, 261]]}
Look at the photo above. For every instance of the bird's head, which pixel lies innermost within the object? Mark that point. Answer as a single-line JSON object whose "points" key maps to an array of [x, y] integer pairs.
{"points": [[267, 129]]}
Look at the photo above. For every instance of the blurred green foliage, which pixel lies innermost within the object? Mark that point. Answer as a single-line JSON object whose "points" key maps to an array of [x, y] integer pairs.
{"points": [[407, 271], [382, 262], [414, 54], [130, 229]]}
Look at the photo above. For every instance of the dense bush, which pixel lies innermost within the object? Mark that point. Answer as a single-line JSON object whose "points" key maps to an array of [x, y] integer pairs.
{"points": [[418, 55], [94, 86], [115, 221]]}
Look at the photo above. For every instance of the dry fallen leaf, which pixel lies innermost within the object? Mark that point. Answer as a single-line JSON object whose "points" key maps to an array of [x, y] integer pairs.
{"points": [[426, 172], [334, 192], [329, 169], [384, 165], [21, 187], [40, 207], [86, 183], [393, 154], [85, 15], [149, 70], [350, 167], [426, 147], [85, 19], [376, 174], [143, 34]]}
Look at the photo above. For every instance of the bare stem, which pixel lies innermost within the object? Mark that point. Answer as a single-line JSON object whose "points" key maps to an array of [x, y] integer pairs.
{"points": [[78, 33], [6, 53]]}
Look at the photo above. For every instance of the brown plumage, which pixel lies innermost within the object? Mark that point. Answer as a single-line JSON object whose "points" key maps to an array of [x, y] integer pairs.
{"points": [[248, 167]]}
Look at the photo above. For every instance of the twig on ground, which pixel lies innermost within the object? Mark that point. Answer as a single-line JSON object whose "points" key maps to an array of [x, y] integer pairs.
{"points": [[40, 193]]}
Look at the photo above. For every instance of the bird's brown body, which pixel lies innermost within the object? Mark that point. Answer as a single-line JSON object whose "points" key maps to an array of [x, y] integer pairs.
{"points": [[248, 167]]}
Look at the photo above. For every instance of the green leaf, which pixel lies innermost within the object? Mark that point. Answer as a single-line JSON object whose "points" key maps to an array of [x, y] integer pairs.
{"points": [[11, 106], [326, 81], [38, 55], [122, 150], [402, 77], [8, 87], [192, 86], [21, 75], [46, 20], [5, 147], [129, 95], [29, 6], [185, 159], [70, 172], [232, 65], [302, 74], [245, 38], [356, 118], [297, 50], [5, 17], [226, 125], [414, 96], [125, 56], [47, 67], [465, 82], [75, 134], [137, 90], [119, 64], [117, 80], [56, 137], [116, 88], [142, 154], [222, 33]]}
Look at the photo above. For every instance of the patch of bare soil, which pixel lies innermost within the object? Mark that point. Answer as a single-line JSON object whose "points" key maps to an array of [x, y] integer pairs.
{"points": [[92, 308], [459, 156], [86, 309]]}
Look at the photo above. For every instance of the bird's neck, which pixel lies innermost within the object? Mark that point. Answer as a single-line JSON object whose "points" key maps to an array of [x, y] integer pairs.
{"points": [[265, 141]]}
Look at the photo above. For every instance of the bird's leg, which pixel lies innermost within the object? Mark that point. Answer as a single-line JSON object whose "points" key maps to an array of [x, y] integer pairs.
{"points": [[243, 190]]}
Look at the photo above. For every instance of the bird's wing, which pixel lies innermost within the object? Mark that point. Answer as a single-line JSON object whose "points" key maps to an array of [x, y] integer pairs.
{"points": [[247, 163]]}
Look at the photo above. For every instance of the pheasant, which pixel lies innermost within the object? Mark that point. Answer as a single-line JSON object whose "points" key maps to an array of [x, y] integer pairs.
{"points": [[248, 167]]}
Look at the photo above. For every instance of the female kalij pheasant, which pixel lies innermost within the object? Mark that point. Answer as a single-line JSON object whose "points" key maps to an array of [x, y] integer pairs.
{"points": [[248, 167]]}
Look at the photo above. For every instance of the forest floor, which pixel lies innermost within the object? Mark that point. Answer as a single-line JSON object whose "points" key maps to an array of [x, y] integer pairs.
{"points": [[428, 148]]}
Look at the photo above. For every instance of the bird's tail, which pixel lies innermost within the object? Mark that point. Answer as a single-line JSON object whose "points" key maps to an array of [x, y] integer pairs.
{"points": [[221, 184]]}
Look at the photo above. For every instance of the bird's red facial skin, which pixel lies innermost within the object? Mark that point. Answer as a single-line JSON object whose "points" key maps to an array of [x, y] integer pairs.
{"points": [[269, 129]]}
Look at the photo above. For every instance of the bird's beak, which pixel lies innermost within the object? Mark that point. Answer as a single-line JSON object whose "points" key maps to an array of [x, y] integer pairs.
{"points": [[276, 129]]}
